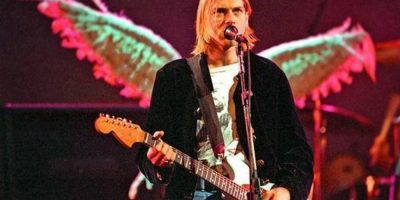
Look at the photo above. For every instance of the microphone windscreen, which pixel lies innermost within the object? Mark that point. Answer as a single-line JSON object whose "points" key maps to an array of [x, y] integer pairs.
{"points": [[230, 32]]}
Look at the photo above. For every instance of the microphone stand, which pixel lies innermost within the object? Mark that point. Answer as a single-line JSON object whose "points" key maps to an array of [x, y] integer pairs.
{"points": [[255, 190]]}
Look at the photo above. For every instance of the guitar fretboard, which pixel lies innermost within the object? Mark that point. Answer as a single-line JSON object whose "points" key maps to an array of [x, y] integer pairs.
{"points": [[225, 184]]}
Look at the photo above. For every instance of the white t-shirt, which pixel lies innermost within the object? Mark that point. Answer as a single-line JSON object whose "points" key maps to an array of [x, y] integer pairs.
{"points": [[223, 80]]}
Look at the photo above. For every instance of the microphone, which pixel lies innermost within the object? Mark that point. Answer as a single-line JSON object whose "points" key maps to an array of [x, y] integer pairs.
{"points": [[231, 33]]}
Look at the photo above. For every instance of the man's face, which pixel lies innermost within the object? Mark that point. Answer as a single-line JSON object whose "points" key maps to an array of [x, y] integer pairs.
{"points": [[225, 13]]}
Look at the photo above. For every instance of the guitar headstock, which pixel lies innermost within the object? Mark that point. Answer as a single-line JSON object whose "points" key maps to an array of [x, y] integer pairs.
{"points": [[126, 132]]}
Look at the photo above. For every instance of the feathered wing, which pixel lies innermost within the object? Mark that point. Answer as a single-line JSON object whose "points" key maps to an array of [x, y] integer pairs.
{"points": [[123, 53], [317, 65], [128, 55]]}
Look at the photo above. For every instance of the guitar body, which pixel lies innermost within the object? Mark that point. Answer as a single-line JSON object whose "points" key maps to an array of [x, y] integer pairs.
{"points": [[237, 170], [236, 165]]}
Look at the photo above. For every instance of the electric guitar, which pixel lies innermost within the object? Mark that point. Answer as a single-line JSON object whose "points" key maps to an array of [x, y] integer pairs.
{"points": [[128, 133]]}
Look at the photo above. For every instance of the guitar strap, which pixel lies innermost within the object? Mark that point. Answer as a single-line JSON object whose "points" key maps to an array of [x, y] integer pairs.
{"points": [[203, 86]]}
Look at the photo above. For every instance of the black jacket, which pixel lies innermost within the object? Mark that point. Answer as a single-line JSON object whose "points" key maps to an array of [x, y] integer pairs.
{"points": [[280, 140]]}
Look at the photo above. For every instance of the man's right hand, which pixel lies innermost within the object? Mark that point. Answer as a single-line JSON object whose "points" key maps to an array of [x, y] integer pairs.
{"points": [[162, 154]]}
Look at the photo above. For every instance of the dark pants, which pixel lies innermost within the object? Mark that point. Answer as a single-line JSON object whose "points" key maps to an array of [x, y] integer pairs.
{"points": [[206, 191]]}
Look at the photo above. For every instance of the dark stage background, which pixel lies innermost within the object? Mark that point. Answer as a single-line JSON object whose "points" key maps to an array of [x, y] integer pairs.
{"points": [[51, 151]]}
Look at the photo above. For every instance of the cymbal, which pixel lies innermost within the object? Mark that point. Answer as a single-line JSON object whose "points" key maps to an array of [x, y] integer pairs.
{"points": [[336, 119], [343, 131]]}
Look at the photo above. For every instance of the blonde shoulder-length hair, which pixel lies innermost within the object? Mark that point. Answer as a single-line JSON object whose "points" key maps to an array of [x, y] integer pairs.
{"points": [[203, 35]]}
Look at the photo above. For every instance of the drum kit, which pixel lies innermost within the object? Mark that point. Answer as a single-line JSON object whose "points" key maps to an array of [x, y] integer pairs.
{"points": [[342, 151], [350, 162]]}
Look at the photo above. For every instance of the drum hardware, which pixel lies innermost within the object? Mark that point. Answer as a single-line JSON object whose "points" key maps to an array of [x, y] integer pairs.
{"points": [[382, 155]]}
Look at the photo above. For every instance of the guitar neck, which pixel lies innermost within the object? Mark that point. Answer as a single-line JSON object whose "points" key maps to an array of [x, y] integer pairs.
{"points": [[225, 184]]}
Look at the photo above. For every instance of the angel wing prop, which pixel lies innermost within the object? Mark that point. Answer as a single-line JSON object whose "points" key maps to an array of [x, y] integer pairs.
{"points": [[128, 55], [320, 64], [123, 53]]}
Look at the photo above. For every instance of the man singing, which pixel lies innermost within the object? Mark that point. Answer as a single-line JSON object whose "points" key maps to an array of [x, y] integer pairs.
{"points": [[283, 157]]}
